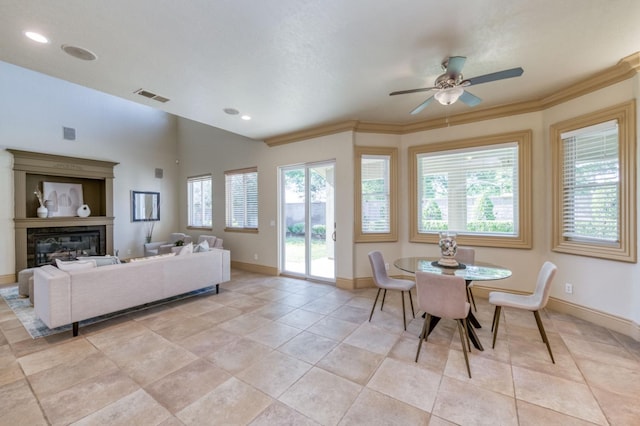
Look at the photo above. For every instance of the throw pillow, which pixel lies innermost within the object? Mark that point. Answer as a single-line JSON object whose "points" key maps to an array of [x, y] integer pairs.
{"points": [[203, 246], [186, 249], [75, 265]]}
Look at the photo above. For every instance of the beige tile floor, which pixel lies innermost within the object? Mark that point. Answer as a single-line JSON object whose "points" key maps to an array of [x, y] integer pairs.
{"points": [[280, 351]]}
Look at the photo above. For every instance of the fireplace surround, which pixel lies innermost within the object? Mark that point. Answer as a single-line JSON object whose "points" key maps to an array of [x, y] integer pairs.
{"points": [[30, 170]]}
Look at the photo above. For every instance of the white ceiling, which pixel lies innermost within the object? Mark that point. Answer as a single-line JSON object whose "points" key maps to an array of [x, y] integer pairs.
{"points": [[296, 64]]}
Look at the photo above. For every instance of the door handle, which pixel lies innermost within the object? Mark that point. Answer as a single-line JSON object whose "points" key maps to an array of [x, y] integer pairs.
{"points": [[333, 236]]}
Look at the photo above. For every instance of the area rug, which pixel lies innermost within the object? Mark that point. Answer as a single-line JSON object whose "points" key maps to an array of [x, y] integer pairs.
{"points": [[36, 328]]}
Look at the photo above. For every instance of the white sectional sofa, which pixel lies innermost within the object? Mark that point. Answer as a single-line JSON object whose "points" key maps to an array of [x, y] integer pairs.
{"points": [[67, 297]]}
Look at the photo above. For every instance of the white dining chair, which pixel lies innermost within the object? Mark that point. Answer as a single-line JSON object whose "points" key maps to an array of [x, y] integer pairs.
{"points": [[384, 282], [443, 296], [467, 256], [533, 302]]}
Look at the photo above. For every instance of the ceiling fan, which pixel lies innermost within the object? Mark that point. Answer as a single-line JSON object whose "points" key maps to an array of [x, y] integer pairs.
{"points": [[450, 85]]}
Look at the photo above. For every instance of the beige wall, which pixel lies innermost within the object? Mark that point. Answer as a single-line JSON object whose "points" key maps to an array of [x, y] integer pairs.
{"points": [[141, 138], [605, 287], [204, 149], [35, 107]]}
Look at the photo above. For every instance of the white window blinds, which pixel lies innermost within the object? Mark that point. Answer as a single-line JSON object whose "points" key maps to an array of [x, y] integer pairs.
{"points": [[591, 183], [375, 176], [199, 194], [472, 190], [241, 187]]}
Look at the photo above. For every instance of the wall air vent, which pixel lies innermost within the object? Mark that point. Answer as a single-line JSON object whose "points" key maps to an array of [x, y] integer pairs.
{"points": [[151, 95]]}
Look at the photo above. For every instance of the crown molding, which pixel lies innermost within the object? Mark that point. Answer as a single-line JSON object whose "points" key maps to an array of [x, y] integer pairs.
{"points": [[626, 68], [327, 129]]}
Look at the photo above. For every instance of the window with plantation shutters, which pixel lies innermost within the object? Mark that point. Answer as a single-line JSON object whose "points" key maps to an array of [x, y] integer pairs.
{"points": [[472, 190], [375, 194], [375, 191], [593, 184], [479, 188], [241, 190], [590, 184], [199, 199]]}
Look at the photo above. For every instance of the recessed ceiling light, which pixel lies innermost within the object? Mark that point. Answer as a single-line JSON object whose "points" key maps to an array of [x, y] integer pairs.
{"points": [[231, 111], [246, 117], [37, 37]]}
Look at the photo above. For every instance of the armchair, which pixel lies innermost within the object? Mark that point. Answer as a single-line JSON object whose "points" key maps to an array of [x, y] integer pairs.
{"points": [[162, 247], [213, 241]]}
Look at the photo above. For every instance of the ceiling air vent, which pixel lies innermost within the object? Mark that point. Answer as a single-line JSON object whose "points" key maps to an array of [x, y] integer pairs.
{"points": [[151, 95]]}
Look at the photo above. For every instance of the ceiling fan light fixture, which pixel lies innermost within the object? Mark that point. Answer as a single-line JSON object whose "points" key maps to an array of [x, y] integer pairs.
{"points": [[448, 96]]}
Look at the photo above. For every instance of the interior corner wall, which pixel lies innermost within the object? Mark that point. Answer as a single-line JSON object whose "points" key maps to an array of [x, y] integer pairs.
{"points": [[603, 285], [204, 149], [34, 108]]}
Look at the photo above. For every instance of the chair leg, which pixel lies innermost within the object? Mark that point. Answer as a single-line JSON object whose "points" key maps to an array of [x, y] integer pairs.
{"points": [[493, 321], [383, 297], [496, 323], [465, 322], [374, 304], [413, 313], [404, 316], [543, 334], [423, 334], [473, 300], [462, 331]]}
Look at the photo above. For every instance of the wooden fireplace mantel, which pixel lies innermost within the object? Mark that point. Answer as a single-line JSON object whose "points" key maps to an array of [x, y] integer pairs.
{"points": [[30, 169]]}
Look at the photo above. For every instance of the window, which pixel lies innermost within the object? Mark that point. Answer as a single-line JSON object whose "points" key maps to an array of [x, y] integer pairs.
{"points": [[375, 191], [241, 187], [479, 188], [594, 185], [199, 199]]}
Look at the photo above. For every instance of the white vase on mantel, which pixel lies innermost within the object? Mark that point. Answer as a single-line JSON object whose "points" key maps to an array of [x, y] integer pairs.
{"points": [[42, 211], [84, 211]]}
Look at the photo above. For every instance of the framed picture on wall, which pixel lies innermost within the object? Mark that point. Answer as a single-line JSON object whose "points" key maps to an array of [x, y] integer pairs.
{"points": [[65, 198]]}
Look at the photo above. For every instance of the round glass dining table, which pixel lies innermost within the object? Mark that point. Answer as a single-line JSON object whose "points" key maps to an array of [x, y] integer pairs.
{"points": [[480, 271]]}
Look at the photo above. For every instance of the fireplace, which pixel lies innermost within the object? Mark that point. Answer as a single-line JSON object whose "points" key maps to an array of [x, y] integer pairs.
{"points": [[67, 235], [45, 245]]}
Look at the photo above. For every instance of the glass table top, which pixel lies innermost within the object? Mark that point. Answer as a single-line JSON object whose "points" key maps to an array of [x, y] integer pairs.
{"points": [[481, 271]]}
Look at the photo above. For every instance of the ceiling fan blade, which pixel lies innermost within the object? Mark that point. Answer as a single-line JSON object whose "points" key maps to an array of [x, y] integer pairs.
{"points": [[469, 99], [422, 106], [500, 75], [455, 64], [403, 92]]}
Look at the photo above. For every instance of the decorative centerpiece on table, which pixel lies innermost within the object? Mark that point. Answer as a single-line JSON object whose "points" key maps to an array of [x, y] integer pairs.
{"points": [[42, 211], [448, 248]]}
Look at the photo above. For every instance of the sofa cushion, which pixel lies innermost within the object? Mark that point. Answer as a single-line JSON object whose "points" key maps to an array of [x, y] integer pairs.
{"points": [[101, 260], [144, 259], [75, 265]]}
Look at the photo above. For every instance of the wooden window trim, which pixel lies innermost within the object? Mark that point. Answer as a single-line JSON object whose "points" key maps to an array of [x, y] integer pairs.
{"points": [[392, 235], [625, 251], [524, 239]]}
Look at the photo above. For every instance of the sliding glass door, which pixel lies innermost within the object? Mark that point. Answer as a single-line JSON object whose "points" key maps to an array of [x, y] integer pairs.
{"points": [[307, 222]]}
